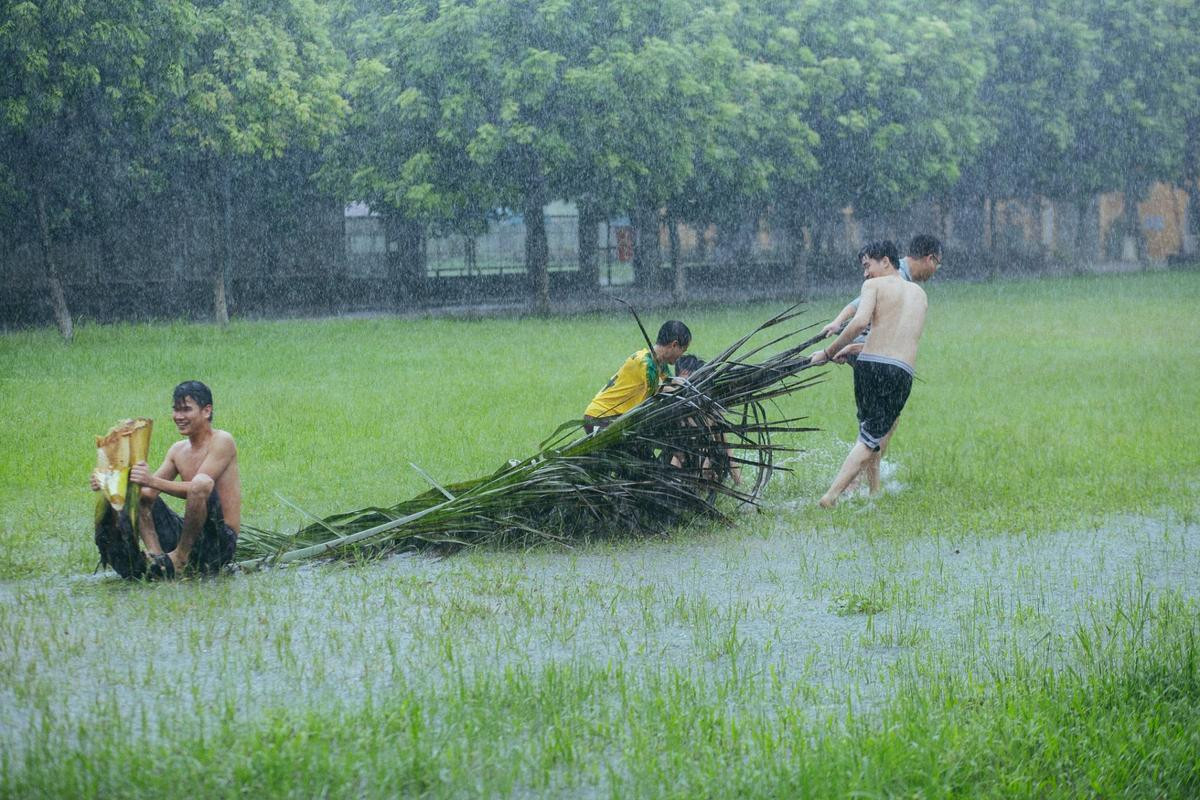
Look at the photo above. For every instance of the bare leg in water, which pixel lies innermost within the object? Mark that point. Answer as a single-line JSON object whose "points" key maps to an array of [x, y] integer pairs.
{"points": [[872, 468], [857, 460]]}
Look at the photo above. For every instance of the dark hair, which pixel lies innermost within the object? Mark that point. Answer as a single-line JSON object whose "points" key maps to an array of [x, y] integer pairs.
{"points": [[924, 245], [674, 331], [879, 250], [195, 390], [688, 364]]}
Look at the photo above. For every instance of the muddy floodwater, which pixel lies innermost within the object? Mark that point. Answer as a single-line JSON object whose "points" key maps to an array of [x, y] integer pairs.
{"points": [[838, 621]]}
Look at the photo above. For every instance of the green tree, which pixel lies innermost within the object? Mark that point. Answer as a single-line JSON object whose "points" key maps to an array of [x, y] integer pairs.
{"points": [[1130, 132], [1041, 65], [401, 152], [495, 105], [522, 143], [648, 108], [757, 137], [259, 77], [893, 103], [79, 85], [452, 117], [1184, 17]]}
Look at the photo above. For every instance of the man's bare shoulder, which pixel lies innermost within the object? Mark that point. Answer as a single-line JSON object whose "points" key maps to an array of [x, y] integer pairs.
{"points": [[224, 440], [895, 285], [884, 283], [869, 288]]}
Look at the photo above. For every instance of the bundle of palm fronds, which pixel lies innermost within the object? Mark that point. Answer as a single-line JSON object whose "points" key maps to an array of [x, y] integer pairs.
{"points": [[669, 459]]}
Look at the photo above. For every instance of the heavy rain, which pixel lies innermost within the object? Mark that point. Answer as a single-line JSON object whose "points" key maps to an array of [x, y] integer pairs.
{"points": [[304, 304]]}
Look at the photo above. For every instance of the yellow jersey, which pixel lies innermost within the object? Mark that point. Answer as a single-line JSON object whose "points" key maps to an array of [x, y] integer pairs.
{"points": [[638, 378]]}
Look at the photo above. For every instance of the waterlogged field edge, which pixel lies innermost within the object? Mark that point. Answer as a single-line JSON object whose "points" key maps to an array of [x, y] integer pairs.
{"points": [[1124, 722]]}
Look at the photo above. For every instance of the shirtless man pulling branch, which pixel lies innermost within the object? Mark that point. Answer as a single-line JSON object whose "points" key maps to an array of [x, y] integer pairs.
{"points": [[895, 311]]}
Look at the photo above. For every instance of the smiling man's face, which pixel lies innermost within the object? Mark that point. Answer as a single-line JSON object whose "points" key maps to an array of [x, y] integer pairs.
{"points": [[188, 415]]}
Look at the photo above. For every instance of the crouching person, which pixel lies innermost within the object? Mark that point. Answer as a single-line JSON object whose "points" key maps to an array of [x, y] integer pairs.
{"points": [[202, 470], [715, 465], [640, 376]]}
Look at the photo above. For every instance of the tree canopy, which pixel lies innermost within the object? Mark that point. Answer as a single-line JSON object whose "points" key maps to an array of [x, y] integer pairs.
{"points": [[444, 113]]}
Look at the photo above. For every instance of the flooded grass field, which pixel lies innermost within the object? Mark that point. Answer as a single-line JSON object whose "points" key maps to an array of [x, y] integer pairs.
{"points": [[1015, 616]]}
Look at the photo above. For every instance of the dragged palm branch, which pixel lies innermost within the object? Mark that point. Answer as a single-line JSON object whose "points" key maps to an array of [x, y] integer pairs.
{"points": [[668, 460]]}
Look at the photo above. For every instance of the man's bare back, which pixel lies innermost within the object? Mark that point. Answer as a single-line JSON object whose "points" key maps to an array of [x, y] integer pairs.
{"points": [[883, 372], [895, 309]]}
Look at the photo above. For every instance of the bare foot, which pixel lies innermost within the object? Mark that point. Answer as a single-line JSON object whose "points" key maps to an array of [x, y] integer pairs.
{"points": [[162, 568]]}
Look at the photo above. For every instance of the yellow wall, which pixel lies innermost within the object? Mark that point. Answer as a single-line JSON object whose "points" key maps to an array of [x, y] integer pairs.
{"points": [[1162, 216]]}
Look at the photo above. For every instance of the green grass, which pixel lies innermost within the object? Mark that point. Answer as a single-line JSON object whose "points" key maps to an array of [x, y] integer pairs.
{"points": [[1040, 405], [1015, 616]]}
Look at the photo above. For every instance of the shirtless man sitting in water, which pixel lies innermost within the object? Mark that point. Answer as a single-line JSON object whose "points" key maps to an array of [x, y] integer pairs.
{"points": [[206, 464], [895, 311]]}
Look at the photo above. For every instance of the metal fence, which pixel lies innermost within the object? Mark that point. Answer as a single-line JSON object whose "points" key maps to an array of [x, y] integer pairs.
{"points": [[316, 257]]}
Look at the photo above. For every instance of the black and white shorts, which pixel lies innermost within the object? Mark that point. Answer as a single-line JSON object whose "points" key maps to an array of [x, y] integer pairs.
{"points": [[881, 387]]}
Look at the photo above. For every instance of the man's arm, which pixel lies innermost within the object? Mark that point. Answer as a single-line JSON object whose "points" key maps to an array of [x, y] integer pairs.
{"points": [[221, 454], [862, 318], [843, 315], [162, 479]]}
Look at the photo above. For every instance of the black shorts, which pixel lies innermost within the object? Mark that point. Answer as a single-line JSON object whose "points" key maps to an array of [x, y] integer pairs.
{"points": [[120, 549], [881, 387]]}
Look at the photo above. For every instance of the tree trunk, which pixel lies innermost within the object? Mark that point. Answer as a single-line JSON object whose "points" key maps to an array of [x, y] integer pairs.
{"points": [[797, 255], [646, 256], [821, 239], [1191, 179], [1081, 209], [679, 282], [469, 254], [1045, 239], [406, 265], [1192, 229], [537, 251], [100, 181], [745, 228], [589, 242], [989, 225], [1134, 191], [225, 248], [58, 298]]}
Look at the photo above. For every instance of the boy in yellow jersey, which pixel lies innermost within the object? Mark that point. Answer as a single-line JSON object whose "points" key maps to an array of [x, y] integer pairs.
{"points": [[639, 377]]}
